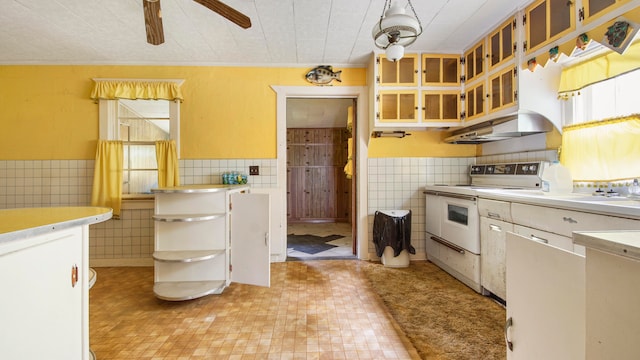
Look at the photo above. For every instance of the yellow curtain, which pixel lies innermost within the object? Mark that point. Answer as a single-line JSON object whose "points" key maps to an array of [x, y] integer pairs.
{"points": [[151, 90], [600, 68], [602, 151], [348, 168], [107, 176], [168, 168]]}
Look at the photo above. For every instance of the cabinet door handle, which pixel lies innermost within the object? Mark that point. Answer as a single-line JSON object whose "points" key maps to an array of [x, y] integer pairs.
{"points": [[494, 215], [539, 239], [569, 220], [495, 228], [74, 275], [507, 325]]}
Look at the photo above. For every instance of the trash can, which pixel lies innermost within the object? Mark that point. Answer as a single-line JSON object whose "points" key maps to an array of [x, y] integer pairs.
{"points": [[392, 237]]}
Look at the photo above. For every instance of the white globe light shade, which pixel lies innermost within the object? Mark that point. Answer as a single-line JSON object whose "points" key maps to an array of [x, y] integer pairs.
{"points": [[394, 52], [403, 28]]}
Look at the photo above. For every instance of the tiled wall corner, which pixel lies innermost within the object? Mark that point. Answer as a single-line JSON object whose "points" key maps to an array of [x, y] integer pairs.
{"points": [[397, 184]]}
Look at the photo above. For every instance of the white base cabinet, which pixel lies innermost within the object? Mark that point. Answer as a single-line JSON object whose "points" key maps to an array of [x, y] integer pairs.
{"points": [[545, 301], [198, 242], [44, 301]]}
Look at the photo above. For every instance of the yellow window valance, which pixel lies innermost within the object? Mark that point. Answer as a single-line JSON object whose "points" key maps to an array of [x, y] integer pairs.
{"points": [[603, 150], [134, 89], [600, 68]]}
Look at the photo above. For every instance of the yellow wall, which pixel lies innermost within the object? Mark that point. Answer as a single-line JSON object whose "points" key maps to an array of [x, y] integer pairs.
{"points": [[228, 112], [419, 144]]}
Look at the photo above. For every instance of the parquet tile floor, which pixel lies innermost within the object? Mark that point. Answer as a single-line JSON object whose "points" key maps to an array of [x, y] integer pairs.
{"points": [[313, 310]]}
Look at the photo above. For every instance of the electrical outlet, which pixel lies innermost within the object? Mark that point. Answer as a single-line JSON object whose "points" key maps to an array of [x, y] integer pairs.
{"points": [[254, 170]]}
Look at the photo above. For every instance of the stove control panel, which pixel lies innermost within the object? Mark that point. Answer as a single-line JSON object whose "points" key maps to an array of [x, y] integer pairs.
{"points": [[529, 168]]}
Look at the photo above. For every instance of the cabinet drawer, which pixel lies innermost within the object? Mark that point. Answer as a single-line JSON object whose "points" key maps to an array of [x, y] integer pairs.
{"points": [[545, 237], [494, 209], [564, 222]]}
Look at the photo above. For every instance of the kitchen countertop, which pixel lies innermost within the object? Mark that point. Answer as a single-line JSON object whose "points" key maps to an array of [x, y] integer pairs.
{"points": [[197, 188], [623, 243], [18, 224], [613, 206]]}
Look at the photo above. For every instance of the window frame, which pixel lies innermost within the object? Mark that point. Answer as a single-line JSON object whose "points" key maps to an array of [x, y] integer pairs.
{"points": [[109, 129]]}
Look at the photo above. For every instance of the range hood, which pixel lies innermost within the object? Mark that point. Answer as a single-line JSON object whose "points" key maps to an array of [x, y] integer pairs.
{"points": [[521, 124]]}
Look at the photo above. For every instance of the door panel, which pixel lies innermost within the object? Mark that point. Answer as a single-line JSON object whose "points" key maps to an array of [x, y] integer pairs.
{"points": [[250, 250], [546, 301]]}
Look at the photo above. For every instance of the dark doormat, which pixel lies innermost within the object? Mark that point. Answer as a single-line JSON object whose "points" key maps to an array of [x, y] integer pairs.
{"points": [[311, 244]]}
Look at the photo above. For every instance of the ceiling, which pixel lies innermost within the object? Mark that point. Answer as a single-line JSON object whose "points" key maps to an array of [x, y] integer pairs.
{"points": [[283, 32]]}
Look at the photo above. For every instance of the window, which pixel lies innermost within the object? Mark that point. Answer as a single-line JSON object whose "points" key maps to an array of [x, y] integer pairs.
{"points": [[139, 123], [603, 151], [607, 99]]}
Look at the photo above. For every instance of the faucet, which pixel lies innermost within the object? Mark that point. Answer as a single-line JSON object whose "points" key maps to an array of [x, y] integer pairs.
{"points": [[611, 192], [598, 192]]}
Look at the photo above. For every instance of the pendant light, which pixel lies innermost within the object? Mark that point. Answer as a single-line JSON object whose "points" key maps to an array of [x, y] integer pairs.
{"points": [[396, 29]]}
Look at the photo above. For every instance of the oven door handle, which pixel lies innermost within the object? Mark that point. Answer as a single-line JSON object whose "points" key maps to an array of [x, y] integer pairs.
{"points": [[451, 246], [451, 195]]}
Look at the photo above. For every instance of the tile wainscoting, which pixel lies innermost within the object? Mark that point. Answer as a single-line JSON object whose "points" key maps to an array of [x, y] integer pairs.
{"points": [[397, 183], [124, 242], [393, 183]]}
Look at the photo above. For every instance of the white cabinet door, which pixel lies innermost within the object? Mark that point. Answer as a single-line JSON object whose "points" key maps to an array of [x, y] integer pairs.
{"points": [[545, 301], [41, 310], [493, 235], [250, 253]]}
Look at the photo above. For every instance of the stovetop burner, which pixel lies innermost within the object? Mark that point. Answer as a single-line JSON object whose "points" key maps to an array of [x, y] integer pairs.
{"points": [[507, 176]]}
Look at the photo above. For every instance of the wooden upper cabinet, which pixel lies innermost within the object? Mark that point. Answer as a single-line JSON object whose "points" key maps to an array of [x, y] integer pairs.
{"points": [[439, 70], [398, 106], [502, 90], [474, 61], [548, 20], [502, 44], [475, 101], [403, 72], [592, 9], [440, 106]]}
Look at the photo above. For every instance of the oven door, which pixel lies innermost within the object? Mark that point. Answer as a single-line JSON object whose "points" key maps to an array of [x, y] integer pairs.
{"points": [[460, 223]]}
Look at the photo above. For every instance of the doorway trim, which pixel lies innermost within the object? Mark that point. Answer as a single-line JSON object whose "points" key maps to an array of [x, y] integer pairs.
{"points": [[360, 93]]}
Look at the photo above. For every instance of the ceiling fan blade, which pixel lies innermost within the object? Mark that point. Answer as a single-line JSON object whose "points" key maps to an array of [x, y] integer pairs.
{"points": [[153, 21], [228, 12]]}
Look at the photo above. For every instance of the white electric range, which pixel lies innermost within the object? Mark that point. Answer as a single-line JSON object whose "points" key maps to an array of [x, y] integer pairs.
{"points": [[452, 220]]}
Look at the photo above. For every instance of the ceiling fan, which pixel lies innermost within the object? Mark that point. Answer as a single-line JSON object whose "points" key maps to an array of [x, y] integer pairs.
{"points": [[153, 17]]}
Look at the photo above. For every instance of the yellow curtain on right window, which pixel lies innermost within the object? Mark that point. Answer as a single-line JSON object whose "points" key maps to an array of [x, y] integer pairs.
{"points": [[607, 150], [107, 176], [168, 167]]}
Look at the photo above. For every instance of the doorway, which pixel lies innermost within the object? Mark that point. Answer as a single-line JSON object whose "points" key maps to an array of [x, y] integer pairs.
{"points": [[360, 141], [319, 178]]}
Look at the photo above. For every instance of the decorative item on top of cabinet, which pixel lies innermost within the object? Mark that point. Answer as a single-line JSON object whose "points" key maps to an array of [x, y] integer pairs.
{"points": [[474, 61], [546, 21], [403, 72], [503, 92], [502, 44], [398, 106], [438, 105], [441, 69]]}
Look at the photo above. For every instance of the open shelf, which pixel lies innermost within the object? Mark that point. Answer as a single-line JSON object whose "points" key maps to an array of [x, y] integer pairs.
{"points": [[185, 256], [187, 290], [187, 217]]}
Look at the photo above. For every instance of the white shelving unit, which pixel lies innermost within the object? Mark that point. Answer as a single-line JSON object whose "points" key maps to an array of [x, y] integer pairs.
{"points": [[193, 239]]}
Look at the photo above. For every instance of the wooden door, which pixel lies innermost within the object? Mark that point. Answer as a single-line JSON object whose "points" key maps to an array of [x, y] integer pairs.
{"points": [[316, 189]]}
